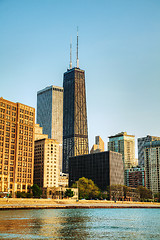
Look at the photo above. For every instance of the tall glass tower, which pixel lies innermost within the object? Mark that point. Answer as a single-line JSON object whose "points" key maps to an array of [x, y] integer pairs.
{"points": [[75, 131], [50, 114]]}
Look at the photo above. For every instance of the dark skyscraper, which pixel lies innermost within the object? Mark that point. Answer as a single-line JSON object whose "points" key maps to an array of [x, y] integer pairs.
{"points": [[75, 131]]}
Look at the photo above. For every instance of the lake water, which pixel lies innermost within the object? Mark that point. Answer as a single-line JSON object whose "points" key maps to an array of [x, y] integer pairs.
{"points": [[80, 224]]}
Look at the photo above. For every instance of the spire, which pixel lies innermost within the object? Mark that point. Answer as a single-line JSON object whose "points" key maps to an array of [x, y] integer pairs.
{"points": [[70, 64], [77, 50]]}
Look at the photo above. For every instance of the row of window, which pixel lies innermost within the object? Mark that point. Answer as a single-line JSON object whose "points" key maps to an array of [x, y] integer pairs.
{"points": [[8, 106], [26, 112]]}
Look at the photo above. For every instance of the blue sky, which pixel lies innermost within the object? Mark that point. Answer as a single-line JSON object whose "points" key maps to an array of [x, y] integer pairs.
{"points": [[119, 49]]}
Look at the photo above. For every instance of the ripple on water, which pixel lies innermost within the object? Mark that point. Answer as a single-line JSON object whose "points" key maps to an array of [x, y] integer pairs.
{"points": [[80, 224]]}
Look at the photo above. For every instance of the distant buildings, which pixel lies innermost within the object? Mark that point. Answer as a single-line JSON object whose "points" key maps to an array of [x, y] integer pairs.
{"points": [[46, 163], [141, 142], [124, 144], [152, 165], [50, 114], [75, 130], [104, 168], [98, 146], [135, 177], [16, 146]]}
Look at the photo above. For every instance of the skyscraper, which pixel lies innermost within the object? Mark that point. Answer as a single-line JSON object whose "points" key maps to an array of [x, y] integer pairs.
{"points": [[50, 114], [75, 130]]}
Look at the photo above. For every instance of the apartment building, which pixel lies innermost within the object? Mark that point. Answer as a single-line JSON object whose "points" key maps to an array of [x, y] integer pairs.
{"points": [[16, 146], [46, 163]]}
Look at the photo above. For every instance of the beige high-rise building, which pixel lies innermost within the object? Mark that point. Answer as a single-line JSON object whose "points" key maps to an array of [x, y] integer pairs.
{"points": [[16, 146], [50, 114], [98, 146], [124, 144], [46, 163]]}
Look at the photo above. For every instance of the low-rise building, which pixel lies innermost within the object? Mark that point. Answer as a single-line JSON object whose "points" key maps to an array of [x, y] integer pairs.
{"points": [[104, 168], [58, 192], [63, 180]]}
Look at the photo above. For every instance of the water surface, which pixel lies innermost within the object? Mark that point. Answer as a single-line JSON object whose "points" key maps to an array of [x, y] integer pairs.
{"points": [[80, 224]]}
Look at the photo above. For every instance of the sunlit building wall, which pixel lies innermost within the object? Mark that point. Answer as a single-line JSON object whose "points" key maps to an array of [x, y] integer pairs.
{"points": [[16, 146]]}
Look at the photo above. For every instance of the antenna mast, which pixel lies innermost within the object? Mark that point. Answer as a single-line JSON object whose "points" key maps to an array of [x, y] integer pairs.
{"points": [[77, 50], [70, 64]]}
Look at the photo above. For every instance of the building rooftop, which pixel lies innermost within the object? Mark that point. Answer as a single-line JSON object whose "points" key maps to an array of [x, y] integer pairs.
{"points": [[50, 87], [121, 134], [152, 144]]}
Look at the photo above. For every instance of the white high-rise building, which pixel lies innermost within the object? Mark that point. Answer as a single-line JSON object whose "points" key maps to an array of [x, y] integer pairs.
{"points": [[50, 114], [141, 142]]}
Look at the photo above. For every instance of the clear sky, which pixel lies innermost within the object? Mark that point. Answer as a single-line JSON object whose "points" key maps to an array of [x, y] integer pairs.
{"points": [[119, 49]]}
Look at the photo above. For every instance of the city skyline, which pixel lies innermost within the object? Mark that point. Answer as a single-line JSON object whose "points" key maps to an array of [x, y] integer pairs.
{"points": [[118, 48]]}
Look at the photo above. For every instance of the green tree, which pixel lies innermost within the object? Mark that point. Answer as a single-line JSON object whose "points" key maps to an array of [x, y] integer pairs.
{"points": [[37, 192], [69, 193], [23, 195], [87, 189], [126, 189], [145, 193], [157, 197]]}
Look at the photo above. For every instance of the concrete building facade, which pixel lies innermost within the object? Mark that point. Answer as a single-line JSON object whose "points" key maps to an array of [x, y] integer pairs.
{"points": [[63, 180], [50, 114], [75, 130], [104, 168], [16, 146], [124, 144], [152, 165], [141, 142], [38, 132], [46, 163]]}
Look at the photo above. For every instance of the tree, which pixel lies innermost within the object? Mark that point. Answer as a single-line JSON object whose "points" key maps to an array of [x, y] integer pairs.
{"points": [[69, 193], [157, 197], [144, 193], [87, 189], [37, 192], [23, 195], [116, 192]]}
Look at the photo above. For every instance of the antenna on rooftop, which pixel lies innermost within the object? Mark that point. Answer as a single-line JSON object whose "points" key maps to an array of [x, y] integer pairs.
{"points": [[70, 64], [77, 50]]}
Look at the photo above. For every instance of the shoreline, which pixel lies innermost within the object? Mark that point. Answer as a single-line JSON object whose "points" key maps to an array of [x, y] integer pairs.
{"points": [[18, 204]]}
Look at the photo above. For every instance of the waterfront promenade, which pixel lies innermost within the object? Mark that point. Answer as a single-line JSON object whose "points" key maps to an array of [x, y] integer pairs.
{"points": [[10, 203]]}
